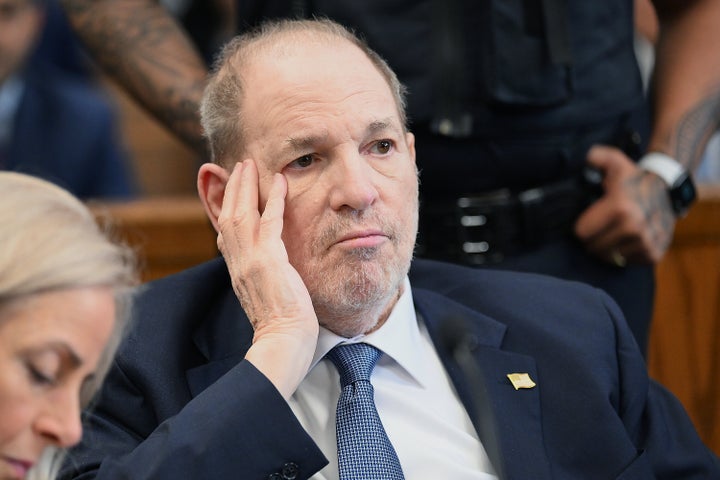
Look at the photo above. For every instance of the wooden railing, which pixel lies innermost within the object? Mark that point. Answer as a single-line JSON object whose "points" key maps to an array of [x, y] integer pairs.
{"points": [[684, 348], [169, 233], [173, 233]]}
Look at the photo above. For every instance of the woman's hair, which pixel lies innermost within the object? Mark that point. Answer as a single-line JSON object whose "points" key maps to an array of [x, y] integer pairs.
{"points": [[50, 241], [221, 105]]}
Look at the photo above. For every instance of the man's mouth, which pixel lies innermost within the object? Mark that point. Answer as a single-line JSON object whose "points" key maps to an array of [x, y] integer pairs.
{"points": [[367, 238]]}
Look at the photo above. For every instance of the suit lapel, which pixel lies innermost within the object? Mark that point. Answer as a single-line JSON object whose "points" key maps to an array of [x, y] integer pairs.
{"points": [[224, 341], [508, 421]]}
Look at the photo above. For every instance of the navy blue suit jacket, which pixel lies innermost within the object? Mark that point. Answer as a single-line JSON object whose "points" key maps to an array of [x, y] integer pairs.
{"points": [[181, 403], [66, 132]]}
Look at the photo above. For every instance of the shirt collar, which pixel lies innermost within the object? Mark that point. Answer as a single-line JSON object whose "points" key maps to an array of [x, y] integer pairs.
{"points": [[399, 337]]}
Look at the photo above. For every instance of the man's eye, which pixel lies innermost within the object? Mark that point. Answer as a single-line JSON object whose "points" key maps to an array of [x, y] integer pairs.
{"points": [[382, 147], [302, 162]]}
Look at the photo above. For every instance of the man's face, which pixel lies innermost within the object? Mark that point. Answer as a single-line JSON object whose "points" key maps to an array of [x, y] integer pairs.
{"points": [[325, 118], [20, 22]]}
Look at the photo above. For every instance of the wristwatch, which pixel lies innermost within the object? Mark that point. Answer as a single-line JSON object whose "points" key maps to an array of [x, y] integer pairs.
{"points": [[681, 188]]}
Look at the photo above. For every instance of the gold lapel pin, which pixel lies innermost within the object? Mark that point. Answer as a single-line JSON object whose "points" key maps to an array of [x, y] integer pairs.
{"points": [[521, 380]]}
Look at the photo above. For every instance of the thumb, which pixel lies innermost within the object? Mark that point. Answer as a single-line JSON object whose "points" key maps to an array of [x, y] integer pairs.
{"points": [[609, 161]]}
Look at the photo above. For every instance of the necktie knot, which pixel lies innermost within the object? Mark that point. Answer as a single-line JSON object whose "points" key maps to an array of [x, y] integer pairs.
{"points": [[354, 362]]}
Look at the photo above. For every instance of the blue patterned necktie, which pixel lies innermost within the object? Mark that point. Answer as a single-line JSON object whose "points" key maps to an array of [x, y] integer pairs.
{"points": [[364, 449]]}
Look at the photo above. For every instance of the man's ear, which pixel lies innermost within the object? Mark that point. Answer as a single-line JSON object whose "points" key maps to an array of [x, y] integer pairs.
{"points": [[211, 182], [410, 141]]}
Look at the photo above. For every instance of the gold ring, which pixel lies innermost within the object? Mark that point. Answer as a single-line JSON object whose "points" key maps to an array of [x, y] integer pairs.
{"points": [[618, 259]]}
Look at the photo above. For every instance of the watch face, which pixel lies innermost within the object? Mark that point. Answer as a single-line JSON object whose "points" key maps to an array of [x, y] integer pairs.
{"points": [[682, 194]]}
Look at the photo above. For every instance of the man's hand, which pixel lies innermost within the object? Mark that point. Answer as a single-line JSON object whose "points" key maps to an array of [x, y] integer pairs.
{"points": [[633, 220], [270, 290]]}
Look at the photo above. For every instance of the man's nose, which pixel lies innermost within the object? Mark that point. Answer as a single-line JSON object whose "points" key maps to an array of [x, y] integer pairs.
{"points": [[353, 186], [59, 423]]}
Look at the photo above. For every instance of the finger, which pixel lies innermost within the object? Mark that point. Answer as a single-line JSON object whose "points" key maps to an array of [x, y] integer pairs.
{"points": [[618, 240], [595, 221], [608, 223], [612, 162], [230, 196], [609, 239], [600, 157], [240, 217], [619, 228], [611, 244], [248, 195], [272, 217], [627, 250]]}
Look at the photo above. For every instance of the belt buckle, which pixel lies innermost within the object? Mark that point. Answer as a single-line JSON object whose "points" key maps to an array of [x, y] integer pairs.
{"points": [[480, 220]]}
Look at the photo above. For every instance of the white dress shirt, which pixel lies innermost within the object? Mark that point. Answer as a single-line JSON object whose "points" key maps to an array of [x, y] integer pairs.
{"points": [[422, 414]]}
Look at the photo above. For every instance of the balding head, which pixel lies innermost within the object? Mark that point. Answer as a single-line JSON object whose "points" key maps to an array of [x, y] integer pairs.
{"points": [[221, 108]]}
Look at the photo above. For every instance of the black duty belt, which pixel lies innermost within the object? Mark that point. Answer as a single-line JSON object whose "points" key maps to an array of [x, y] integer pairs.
{"points": [[485, 228]]}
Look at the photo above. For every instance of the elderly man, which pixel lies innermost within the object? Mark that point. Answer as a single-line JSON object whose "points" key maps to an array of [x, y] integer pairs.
{"points": [[314, 194]]}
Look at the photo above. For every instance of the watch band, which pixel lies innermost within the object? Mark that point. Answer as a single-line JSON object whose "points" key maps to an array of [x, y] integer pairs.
{"points": [[663, 166], [680, 187]]}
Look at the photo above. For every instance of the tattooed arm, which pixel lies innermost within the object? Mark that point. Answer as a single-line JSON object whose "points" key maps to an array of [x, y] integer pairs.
{"points": [[634, 220], [686, 82], [140, 45]]}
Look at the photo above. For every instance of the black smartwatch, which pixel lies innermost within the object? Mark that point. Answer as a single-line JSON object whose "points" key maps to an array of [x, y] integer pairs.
{"points": [[681, 188]]}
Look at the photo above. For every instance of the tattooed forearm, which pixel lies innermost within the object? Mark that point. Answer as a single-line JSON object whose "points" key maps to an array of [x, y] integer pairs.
{"points": [[695, 129], [650, 193], [140, 45]]}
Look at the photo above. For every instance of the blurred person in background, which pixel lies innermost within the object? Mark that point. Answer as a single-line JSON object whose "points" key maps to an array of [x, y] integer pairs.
{"points": [[65, 292], [53, 124], [58, 44]]}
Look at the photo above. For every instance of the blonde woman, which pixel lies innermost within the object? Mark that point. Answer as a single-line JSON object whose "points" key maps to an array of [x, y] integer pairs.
{"points": [[65, 290]]}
